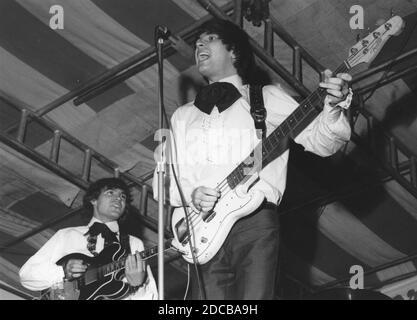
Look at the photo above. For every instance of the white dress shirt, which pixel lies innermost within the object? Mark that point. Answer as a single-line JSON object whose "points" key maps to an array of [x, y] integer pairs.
{"points": [[41, 271], [206, 147]]}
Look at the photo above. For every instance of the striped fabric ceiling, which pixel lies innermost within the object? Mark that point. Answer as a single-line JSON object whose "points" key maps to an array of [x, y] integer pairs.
{"points": [[39, 65]]}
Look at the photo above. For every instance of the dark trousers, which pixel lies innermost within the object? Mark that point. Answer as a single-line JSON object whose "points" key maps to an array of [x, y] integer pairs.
{"points": [[245, 267]]}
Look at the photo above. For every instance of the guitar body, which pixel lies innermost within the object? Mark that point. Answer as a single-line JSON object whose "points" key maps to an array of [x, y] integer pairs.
{"points": [[94, 286], [209, 234]]}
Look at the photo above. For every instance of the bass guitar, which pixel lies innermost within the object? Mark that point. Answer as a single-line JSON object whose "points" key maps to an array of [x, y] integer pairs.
{"points": [[207, 231]]}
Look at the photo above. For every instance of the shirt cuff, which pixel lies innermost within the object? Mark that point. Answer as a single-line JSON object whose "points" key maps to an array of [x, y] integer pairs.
{"points": [[332, 114], [337, 129], [143, 292], [175, 197], [61, 272], [58, 275]]}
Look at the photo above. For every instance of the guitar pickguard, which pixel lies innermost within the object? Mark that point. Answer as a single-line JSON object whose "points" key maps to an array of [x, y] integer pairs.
{"points": [[93, 285]]}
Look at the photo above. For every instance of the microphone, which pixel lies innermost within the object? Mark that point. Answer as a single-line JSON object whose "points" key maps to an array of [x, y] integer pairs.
{"points": [[162, 32]]}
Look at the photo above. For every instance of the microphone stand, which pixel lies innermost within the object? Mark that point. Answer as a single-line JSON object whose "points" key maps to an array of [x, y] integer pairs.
{"points": [[161, 165]]}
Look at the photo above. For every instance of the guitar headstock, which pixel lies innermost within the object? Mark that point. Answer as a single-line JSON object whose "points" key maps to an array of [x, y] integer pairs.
{"points": [[369, 47]]}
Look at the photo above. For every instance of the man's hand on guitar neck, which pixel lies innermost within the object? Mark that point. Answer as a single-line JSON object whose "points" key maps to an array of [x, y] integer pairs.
{"points": [[204, 198], [337, 87], [74, 268], [135, 270]]}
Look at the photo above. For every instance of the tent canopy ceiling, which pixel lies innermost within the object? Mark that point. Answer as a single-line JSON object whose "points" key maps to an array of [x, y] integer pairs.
{"points": [[40, 65]]}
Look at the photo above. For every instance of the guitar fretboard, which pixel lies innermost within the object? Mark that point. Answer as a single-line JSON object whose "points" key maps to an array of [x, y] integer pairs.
{"points": [[104, 270], [273, 146]]}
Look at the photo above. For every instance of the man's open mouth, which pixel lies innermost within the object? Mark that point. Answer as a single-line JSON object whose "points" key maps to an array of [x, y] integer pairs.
{"points": [[202, 56]]}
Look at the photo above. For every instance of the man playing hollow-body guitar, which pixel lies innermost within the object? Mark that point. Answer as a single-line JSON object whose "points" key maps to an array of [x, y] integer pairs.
{"points": [[71, 252]]}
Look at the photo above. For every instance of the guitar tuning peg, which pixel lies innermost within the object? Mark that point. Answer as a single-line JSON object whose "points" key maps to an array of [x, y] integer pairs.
{"points": [[358, 37], [392, 12]]}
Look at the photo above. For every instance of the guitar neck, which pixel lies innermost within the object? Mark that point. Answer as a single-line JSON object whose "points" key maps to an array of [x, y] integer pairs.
{"points": [[120, 264], [100, 272], [274, 145]]}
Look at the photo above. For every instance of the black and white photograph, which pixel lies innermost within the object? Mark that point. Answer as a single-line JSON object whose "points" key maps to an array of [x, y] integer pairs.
{"points": [[229, 151]]}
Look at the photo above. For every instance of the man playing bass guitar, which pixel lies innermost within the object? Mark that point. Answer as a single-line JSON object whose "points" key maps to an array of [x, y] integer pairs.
{"points": [[211, 135]]}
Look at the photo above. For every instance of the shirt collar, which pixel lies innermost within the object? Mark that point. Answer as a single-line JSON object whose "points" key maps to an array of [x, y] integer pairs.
{"points": [[235, 79], [113, 225]]}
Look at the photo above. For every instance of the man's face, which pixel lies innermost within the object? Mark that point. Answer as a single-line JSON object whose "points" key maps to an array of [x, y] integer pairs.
{"points": [[109, 205], [212, 58]]}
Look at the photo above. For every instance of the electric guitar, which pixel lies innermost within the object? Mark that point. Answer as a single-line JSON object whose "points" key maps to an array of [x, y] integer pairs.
{"points": [[208, 231], [103, 277]]}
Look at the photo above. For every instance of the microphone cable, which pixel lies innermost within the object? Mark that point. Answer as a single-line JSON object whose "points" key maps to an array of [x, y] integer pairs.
{"points": [[184, 206]]}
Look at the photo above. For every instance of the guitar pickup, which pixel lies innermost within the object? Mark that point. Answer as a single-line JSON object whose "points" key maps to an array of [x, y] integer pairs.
{"points": [[211, 216], [181, 230]]}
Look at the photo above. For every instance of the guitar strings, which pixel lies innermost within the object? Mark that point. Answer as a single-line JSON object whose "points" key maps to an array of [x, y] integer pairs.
{"points": [[172, 247]]}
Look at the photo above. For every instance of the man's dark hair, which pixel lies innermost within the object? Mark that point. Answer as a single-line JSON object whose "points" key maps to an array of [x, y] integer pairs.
{"points": [[237, 40], [96, 188]]}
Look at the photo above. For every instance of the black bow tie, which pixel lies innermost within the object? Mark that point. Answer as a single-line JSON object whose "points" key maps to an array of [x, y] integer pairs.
{"points": [[220, 94], [101, 228]]}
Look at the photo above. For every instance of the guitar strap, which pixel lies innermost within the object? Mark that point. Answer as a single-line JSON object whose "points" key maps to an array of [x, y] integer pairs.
{"points": [[257, 109], [124, 241]]}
